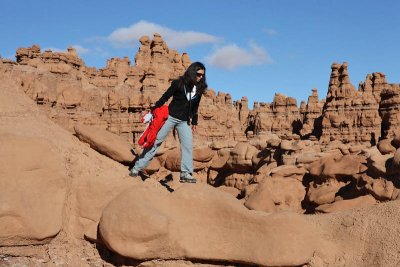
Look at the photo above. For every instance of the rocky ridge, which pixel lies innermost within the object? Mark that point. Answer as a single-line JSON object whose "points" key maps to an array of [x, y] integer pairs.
{"points": [[68, 135]]}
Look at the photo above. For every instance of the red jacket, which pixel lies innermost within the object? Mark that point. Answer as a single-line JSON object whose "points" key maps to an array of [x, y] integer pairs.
{"points": [[160, 115]]}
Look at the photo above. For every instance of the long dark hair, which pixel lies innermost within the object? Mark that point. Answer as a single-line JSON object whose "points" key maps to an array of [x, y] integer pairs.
{"points": [[190, 75]]}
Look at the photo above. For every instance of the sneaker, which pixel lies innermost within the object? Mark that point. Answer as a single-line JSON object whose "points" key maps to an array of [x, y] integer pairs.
{"points": [[187, 178], [133, 173]]}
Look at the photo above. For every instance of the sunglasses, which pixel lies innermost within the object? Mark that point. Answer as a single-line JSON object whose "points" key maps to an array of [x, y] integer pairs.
{"points": [[199, 74]]}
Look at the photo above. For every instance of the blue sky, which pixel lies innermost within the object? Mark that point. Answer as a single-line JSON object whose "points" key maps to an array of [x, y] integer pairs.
{"points": [[251, 48]]}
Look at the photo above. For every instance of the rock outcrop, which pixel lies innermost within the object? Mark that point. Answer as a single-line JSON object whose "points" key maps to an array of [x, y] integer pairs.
{"points": [[349, 116], [271, 166], [31, 174], [282, 116], [221, 229], [388, 109], [113, 98], [311, 115]]}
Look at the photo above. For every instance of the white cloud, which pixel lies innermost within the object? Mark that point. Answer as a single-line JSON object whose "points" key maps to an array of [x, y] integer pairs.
{"points": [[270, 31], [123, 37], [80, 49], [232, 56], [53, 49]]}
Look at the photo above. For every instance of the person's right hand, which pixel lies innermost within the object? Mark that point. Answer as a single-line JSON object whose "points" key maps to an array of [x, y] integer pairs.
{"points": [[147, 118]]}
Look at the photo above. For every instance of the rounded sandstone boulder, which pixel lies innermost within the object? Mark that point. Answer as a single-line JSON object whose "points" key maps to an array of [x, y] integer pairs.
{"points": [[201, 222]]}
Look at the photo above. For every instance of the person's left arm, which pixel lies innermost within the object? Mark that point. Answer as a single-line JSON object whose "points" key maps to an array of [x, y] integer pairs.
{"points": [[195, 115]]}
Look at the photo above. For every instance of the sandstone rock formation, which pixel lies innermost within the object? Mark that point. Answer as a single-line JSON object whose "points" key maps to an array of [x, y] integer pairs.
{"points": [[282, 116], [271, 165], [31, 174], [232, 233], [349, 115], [361, 237], [311, 113], [388, 106], [114, 97], [106, 143]]}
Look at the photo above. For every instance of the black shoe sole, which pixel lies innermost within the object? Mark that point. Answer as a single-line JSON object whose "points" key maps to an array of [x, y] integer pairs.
{"points": [[140, 174], [190, 181]]}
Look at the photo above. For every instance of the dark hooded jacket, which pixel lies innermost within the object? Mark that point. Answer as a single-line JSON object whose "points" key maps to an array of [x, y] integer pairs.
{"points": [[180, 107]]}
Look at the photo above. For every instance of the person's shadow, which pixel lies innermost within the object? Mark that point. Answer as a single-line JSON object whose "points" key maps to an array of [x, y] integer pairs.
{"points": [[165, 180]]}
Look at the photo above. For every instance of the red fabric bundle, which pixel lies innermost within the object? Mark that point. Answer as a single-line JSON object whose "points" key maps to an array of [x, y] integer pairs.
{"points": [[160, 115]]}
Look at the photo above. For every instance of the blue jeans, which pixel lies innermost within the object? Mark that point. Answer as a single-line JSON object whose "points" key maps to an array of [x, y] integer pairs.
{"points": [[185, 138]]}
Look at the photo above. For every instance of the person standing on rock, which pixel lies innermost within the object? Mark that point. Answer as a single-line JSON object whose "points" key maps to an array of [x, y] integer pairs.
{"points": [[186, 92]]}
